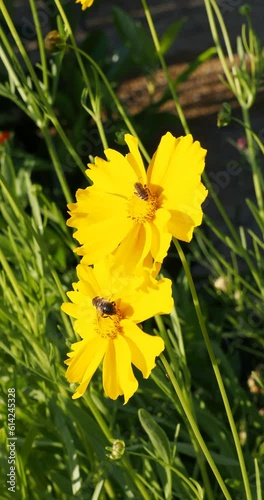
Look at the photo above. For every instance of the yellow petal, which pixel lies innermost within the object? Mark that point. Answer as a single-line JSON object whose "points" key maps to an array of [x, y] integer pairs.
{"points": [[135, 159], [115, 176], [111, 277], [101, 231], [161, 236], [83, 362], [160, 162], [85, 324], [82, 309], [143, 347], [88, 284], [70, 309], [85, 313], [118, 376], [183, 177], [177, 167], [182, 225], [135, 247], [110, 379], [154, 298], [85, 3], [93, 204]]}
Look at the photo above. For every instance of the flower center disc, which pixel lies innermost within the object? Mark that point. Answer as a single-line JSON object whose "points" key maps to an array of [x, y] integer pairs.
{"points": [[142, 205], [109, 327]]}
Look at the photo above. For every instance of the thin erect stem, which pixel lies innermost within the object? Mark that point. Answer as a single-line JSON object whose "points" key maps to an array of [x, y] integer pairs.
{"points": [[214, 363], [164, 67]]}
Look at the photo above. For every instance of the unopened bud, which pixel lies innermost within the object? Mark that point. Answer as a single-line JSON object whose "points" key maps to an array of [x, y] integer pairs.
{"points": [[245, 9], [120, 137], [117, 449], [54, 42], [224, 115]]}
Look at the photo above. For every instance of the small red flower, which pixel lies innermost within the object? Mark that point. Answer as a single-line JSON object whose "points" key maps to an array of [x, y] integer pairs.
{"points": [[242, 143], [4, 136]]}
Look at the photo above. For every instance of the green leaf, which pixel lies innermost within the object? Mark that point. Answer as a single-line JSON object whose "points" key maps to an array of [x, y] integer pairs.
{"points": [[256, 214], [70, 448], [137, 41], [161, 446], [170, 35], [156, 435]]}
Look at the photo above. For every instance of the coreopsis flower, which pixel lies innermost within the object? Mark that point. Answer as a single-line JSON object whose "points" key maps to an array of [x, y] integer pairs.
{"points": [[85, 3], [134, 212], [108, 308]]}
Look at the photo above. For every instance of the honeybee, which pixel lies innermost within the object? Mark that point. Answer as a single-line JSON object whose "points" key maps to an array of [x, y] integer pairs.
{"points": [[141, 191], [104, 306]]}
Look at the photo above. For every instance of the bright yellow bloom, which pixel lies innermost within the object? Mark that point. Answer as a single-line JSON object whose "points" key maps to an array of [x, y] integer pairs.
{"points": [[85, 3], [107, 308], [135, 213]]}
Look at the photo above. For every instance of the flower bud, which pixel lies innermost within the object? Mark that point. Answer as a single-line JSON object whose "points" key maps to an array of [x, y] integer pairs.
{"points": [[54, 42], [224, 115], [117, 449], [120, 137], [245, 9]]}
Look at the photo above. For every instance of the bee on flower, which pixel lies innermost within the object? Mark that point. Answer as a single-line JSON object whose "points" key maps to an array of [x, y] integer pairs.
{"points": [[133, 213], [108, 308]]}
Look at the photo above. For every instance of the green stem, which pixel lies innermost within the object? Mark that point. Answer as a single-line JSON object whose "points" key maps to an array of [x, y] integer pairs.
{"points": [[21, 299], [242, 251], [101, 131], [218, 44], [258, 481], [215, 368], [186, 393], [56, 163], [140, 486], [99, 419], [65, 139], [68, 322], [253, 161], [194, 427], [164, 67], [20, 46], [228, 48], [211, 248], [16, 76], [115, 99], [43, 98], [12, 75], [75, 48], [248, 127], [97, 118], [95, 113], [20, 216], [41, 46], [15, 64]]}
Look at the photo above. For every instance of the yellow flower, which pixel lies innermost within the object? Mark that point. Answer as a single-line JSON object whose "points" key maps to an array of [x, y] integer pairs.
{"points": [[134, 212], [85, 3], [107, 308]]}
